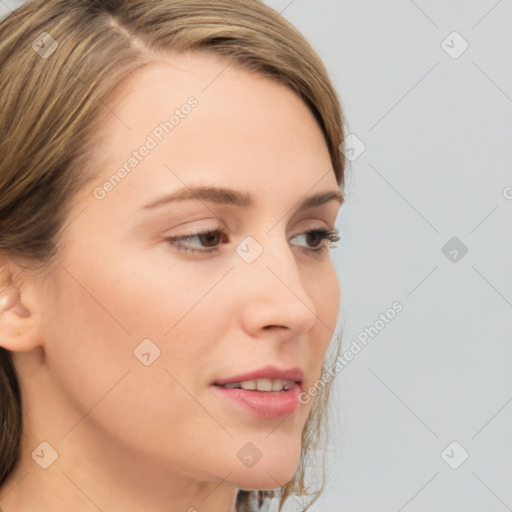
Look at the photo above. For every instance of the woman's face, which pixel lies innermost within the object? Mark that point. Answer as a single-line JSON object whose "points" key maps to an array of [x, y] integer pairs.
{"points": [[137, 328]]}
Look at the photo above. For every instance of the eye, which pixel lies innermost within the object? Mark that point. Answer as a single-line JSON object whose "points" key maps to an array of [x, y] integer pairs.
{"points": [[209, 241], [317, 236]]}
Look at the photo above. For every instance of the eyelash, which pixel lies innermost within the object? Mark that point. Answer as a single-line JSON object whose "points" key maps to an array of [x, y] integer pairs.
{"points": [[331, 235]]}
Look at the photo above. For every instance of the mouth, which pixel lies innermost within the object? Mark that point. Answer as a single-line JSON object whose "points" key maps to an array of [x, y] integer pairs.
{"points": [[263, 385], [267, 393]]}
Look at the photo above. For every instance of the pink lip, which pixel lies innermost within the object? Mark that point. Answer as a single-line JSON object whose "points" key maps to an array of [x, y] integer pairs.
{"points": [[268, 372], [265, 404]]}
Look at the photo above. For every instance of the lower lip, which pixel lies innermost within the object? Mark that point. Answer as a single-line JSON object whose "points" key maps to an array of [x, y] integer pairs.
{"points": [[265, 404]]}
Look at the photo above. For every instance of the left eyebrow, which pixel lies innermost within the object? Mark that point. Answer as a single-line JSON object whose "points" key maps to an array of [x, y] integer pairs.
{"points": [[226, 196]]}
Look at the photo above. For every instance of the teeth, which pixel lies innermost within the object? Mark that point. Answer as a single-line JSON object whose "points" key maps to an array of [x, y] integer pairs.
{"points": [[248, 385], [262, 385], [232, 385], [277, 385]]}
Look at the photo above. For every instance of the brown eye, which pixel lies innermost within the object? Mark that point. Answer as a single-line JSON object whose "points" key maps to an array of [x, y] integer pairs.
{"points": [[210, 239], [209, 242], [315, 238]]}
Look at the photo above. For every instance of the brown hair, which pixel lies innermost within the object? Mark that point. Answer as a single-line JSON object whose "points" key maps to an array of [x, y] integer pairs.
{"points": [[53, 97]]}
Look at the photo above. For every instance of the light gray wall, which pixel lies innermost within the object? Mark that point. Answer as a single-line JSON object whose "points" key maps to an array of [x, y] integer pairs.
{"points": [[437, 132]]}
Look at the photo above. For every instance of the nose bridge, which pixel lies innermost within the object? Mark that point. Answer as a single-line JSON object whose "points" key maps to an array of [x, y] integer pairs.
{"points": [[275, 293]]}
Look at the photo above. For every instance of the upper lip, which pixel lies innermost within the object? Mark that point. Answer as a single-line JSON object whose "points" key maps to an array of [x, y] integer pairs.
{"points": [[268, 372]]}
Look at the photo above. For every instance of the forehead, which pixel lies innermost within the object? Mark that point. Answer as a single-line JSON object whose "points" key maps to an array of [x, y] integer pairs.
{"points": [[206, 119]]}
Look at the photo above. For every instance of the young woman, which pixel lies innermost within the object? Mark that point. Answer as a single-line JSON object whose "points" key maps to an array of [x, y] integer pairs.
{"points": [[169, 182]]}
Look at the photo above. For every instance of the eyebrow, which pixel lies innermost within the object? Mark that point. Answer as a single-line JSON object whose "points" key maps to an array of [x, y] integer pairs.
{"points": [[226, 196]]}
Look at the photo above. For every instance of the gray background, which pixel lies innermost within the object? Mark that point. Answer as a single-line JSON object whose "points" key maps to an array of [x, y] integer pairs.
{"points": [[437, 160], [438, 133]]}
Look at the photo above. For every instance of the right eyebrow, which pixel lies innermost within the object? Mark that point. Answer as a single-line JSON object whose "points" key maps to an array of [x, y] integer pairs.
{"points": [[236, 198], [210, 194]]}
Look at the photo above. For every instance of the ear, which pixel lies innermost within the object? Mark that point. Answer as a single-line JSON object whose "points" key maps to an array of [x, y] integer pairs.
{"points": [[18, 325]]}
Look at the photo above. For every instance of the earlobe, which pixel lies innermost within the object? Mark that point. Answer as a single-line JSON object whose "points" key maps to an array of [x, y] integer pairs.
{"points": [[17, 326]]}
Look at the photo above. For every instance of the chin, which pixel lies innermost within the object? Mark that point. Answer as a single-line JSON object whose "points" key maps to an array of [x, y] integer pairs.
{"points": [[267, 474]]}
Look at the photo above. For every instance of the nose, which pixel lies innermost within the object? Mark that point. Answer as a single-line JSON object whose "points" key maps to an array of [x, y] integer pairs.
{"points": [[272, 293]]}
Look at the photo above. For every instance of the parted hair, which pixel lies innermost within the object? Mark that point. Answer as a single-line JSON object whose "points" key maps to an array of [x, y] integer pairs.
{"points": [[52, 105]]}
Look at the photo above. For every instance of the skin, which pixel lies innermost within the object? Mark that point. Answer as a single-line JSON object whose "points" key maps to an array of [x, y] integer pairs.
{"points": [[157, 438]]}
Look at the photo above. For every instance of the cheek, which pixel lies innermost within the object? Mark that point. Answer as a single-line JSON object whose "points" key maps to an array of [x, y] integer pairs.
{"points": [[127, 312], [324, 291], [92, 326], [103, 319]]}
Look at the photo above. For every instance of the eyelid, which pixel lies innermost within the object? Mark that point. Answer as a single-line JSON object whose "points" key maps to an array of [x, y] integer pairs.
{"points": [[196, 230], [329, 234]]}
